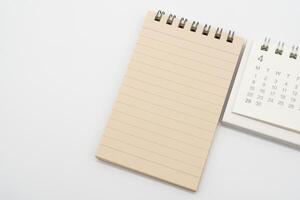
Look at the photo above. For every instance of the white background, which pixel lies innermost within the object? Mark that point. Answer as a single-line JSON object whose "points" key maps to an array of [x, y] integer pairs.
{"points": [[61, 64]]}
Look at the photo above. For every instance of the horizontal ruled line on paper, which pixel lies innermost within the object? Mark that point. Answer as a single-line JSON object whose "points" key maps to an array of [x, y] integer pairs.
{"points": [[199, 128], [201, 99], [186, 58], [169, 99], [156, 143], [160, 124], [195, 118], [155, 154], [172, 109], [198, 80], [184, 66], [157, 163], [151, 112], [181, 84], [152, 151], [186, 39], [164, 135], [187, 49]]}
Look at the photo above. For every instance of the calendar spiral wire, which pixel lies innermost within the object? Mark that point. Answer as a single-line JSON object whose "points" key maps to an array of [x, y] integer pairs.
{"points": [[280, 48]]}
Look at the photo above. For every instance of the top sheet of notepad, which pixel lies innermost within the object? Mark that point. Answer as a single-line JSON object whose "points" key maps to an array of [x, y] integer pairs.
{"points": [[164, 118]]}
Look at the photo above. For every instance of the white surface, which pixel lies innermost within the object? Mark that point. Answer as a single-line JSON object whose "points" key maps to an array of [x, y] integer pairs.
{"points": [[61, 64]]}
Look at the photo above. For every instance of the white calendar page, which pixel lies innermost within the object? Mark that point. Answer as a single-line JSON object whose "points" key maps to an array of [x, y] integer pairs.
{"points": [[270, 87]]}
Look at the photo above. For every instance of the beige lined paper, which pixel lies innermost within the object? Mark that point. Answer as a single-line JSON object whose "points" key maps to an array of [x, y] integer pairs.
{"points": [[168, 107]]}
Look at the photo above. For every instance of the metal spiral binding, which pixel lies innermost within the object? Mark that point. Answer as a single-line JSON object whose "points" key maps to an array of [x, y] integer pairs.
{"points": [[265, 45], [159, 15], [182, 22], [171, 19], [280, 47], [230, 36], [218, 33], [206, 29], [294, 52], [194, 26]]}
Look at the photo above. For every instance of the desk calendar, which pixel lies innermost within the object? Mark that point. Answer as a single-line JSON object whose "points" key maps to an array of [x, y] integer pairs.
{"points": [[265, 97], [270, 88]]}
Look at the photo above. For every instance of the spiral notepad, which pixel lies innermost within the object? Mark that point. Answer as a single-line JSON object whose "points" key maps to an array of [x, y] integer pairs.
{"points": [[169, 104], [265, 96]]}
